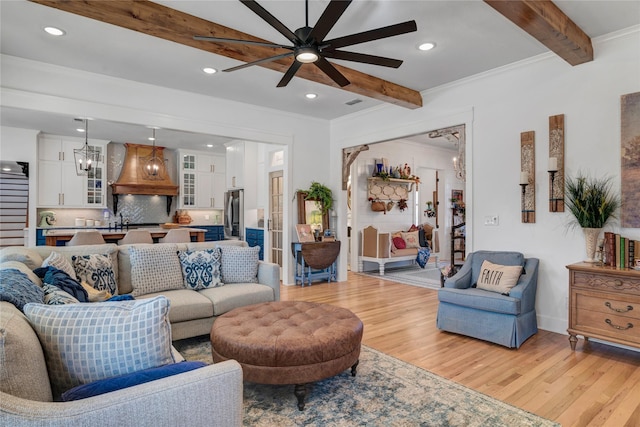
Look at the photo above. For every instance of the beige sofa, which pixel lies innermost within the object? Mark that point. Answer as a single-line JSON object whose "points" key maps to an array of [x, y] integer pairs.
{"points": [[209, 396], [378, 248]]}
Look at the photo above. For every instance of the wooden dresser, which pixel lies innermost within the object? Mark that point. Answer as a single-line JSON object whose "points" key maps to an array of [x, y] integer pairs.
{"points": [[604, 303]]}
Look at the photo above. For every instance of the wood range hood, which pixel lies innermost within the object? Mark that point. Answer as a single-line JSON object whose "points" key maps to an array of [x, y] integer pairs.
{"points": [[135, 180]]}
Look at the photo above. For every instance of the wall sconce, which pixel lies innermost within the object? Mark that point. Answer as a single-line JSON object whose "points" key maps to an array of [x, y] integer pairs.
{"points": [[556, 163], [524, 181], [553, 169]]}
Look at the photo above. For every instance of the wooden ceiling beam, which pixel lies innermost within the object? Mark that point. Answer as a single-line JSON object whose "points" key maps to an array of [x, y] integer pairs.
{"points": [[550, 26], [160, 21]]}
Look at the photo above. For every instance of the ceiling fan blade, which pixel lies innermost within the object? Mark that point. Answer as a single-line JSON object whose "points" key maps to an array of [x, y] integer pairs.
{"points": [[362, 57], [270, 19], [259, 61], [328, 19], [367, 36], [251, 42], [332, 72], [293, 69]]}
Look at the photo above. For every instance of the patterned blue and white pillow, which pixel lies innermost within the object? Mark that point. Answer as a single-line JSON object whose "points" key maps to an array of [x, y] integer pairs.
{"points": [[96, 270], [83, 343], [53, 295], [155, 268], [59, 261], [16, 288], [201, 269], [240, 264]]}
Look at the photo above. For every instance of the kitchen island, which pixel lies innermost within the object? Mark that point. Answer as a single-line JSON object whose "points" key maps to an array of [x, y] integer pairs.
{"points": [[52, 237]]}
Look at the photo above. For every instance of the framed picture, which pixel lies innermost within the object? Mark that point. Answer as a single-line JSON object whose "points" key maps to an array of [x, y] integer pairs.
{"points": [[305, 234], [456, 195]]}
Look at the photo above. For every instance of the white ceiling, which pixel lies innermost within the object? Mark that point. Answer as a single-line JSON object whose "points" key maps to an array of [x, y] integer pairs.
{"points": [[470, 36]]}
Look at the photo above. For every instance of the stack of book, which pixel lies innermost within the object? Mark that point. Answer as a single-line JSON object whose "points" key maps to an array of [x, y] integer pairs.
{"points": [[620, 251]]}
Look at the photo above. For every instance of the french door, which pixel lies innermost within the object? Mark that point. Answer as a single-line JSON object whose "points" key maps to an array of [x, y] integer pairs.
{"points": [[276, 207]]}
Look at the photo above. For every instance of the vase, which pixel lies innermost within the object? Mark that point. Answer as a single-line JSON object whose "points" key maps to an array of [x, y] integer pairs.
{"points": [[591, 241]]}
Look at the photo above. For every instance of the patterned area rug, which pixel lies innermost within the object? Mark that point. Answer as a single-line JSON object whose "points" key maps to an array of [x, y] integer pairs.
{"points": [[428, 277], [385, 392]]}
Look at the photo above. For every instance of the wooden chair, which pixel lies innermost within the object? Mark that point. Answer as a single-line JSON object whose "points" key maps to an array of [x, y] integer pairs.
{"points": [[136, 236], [88, 237], [176, 235]]}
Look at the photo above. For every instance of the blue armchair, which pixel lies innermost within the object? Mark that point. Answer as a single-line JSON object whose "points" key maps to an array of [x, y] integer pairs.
{"points": [[503, 319]]}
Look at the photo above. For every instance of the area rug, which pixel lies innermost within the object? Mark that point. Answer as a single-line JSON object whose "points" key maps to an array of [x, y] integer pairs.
{"points": [[385, 392], [412, 275]]}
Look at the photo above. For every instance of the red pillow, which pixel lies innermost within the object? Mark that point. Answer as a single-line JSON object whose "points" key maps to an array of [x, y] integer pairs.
{"points": [[399, 243], [413, 228]]}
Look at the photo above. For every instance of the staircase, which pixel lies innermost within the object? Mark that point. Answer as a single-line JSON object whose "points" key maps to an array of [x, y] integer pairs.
{"points": [[14, 202]]}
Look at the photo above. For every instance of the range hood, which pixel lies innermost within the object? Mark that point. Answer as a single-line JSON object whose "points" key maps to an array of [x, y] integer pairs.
{"points": [[135, 180]]}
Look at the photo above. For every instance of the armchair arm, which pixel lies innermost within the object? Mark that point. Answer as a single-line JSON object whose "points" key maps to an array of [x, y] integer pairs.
{"points": [[269, 274], [525, 289], [462, 279], [209, 396]]}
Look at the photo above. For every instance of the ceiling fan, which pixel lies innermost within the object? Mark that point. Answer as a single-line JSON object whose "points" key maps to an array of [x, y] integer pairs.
{"points": [[309, 45]]}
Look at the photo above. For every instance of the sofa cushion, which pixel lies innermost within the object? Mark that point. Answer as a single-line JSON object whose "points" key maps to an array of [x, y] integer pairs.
{"points": [[240, 264], [412, 239], [228, 297], [201, 269], [480, 300], [83, 343], [107, 385], [17, 265], [60, 262], [155, 268], [96, 270], [399, 243], [503, 258], [186, 304], [16, 288], [20, 375], [498, 278], [56, 296], [28, 257]]}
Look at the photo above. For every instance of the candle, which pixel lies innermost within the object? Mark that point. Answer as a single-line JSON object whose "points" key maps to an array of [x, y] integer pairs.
{"points": [[524, 178], [553, 164]]}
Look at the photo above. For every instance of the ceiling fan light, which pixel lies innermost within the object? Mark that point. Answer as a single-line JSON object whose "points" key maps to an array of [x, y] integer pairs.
{"points": [[306, 55]]}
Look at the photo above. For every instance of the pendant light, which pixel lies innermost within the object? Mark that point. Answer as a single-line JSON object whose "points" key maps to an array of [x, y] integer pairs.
{"points": [[154, 163], [85, 156]]}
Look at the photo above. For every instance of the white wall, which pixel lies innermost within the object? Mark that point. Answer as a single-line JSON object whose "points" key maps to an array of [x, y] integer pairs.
{"points": [[20, 145], [498, 106]]}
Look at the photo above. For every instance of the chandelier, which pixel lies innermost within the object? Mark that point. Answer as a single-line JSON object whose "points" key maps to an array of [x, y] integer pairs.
{"points": [[85, 156], [152, 165]]}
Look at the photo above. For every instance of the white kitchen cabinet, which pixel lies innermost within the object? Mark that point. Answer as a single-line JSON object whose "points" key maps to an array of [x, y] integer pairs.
{"points": [[58, 183], [235, 165], [202, 180]]}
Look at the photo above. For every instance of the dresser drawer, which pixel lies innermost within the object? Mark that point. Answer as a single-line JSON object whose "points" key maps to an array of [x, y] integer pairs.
{"points": [[608, 304], [606, 281], [610, 325]]}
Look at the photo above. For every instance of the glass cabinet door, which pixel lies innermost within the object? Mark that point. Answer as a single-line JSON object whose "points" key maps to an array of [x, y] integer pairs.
{"points": [[95, 180], [188, 180]]}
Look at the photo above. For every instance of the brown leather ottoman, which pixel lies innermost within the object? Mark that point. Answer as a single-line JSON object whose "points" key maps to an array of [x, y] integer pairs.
{"points": [[288, 342]]}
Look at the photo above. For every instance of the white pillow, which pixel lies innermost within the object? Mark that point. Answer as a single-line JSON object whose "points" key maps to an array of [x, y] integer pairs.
{"points": [[498, 278], [155, 268], [83, 343], [411, 238], [59, 261]]}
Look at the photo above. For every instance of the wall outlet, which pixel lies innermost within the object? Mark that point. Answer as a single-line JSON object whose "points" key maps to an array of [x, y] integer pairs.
{"points": [[492, 220], [206, 217]]}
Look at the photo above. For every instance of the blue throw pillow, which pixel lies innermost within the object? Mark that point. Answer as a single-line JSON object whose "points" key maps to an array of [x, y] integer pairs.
{"points": [[128, 380], [18, 289]]}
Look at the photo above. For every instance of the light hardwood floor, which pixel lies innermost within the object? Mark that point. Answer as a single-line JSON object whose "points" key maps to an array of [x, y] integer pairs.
{"points": [[597, 385]]}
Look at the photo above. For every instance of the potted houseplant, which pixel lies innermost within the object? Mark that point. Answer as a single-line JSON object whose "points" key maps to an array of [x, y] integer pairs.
{"points": [[592, 203], [321, 194]]}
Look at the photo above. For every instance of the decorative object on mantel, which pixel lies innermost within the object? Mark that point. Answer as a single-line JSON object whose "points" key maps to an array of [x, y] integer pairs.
{"points": [[86, 155], [592, 203], [556, 163], [630, 160], [528, 176]]}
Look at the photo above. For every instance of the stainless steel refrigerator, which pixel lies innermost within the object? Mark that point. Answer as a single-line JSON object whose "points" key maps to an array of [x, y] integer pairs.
{"points": [[234, 214]]}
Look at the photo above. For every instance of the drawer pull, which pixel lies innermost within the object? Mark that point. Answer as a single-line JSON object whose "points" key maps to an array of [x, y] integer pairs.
{"points": [[620, 328], [618, 310]]}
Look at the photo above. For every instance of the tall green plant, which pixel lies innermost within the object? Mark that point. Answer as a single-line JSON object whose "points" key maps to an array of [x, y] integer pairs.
{"points": [[591, 200], [321, 194]]}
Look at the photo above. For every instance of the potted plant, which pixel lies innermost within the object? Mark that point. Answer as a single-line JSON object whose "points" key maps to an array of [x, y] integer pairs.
{"points": [[592, 203], [321, 194]]}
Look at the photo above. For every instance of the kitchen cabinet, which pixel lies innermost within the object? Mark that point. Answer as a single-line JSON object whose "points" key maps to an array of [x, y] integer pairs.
{"points": [[235, 165], [202, 180], [58, 183], [255, 237]]}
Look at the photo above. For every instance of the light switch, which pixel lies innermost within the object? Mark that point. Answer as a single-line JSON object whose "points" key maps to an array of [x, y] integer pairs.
{"points": [[492, 220]]}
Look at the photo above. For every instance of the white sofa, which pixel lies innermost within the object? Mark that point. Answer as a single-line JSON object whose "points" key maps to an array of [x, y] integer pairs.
{"points": [[208, 396]]}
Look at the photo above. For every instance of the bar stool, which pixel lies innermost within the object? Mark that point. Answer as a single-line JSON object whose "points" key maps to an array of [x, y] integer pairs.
{"points": [[88, 237], [136, 236], [176, 235]]}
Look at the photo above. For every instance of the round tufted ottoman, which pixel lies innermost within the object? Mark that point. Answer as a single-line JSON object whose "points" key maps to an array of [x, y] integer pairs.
{"points": [[288, 342]]}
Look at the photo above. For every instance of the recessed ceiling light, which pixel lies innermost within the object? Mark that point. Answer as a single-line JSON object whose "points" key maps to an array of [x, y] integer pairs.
{"points": [[209, 70], [6, 169], [54, 31], [80, 130], [426, 46], [311, 95], [210, 145]]}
